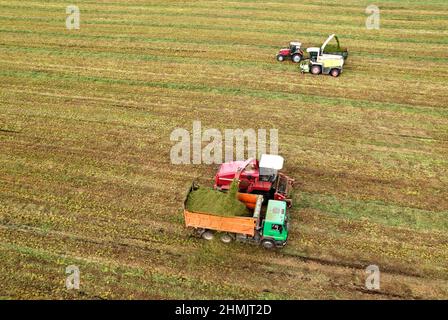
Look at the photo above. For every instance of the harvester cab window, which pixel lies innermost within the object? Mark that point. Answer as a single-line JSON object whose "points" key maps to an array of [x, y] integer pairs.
{"points": [[250, 167], [268, 174]]}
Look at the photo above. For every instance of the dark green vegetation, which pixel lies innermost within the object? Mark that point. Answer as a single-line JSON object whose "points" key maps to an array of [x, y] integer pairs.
{"points": [[85, 171]]}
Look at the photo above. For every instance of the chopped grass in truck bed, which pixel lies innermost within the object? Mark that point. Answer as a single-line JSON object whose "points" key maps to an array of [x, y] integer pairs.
{"points": [[208, 200], [334, 48]]}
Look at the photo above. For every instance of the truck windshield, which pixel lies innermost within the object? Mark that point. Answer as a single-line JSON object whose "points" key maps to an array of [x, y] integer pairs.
{"points": [[277, 227]]}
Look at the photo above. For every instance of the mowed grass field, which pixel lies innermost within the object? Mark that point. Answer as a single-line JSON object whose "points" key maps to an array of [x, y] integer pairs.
{"points": [[85, 170]]}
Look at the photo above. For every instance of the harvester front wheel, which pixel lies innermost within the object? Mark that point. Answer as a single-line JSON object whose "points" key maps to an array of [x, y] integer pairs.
{"points": [[335, 72], [296, 58], [208, 235], [316, 69], [280, 58], [226, 238], [268, 244]]}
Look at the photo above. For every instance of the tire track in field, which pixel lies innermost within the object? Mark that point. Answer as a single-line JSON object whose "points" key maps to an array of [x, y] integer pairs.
{"points": [[206, 75], [388, 25], [353, 265], [161, 249], [248, 6], [232, 91], [241, 30]]}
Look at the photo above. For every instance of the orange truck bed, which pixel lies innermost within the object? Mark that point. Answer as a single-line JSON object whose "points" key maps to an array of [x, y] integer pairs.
{"points": [[242, 225]]}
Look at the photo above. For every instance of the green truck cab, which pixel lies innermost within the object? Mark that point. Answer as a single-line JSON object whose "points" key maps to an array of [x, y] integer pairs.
{"points": [[275, 225]]}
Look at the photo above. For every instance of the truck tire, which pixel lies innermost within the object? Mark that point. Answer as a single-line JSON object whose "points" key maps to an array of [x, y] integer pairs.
{"points": [[226, 238], [268, 244], [197, 232], [316, 69], [296, 58], [208, 235], [280, 58], [335, 72]]}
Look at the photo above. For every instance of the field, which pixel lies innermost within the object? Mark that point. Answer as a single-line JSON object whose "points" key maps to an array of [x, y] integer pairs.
{"points": [[85, 170]]}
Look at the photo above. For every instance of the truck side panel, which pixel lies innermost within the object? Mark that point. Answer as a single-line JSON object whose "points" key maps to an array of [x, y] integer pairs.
{"points": [[242, 225]]}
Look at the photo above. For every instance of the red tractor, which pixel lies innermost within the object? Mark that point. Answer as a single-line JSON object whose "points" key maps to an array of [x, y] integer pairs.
{"points": [[258, 177], [294, 52]]}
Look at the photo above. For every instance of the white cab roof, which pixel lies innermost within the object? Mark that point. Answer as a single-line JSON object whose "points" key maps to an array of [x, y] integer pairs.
{"points": [[313, 49], [295, 43], [271, 161]]}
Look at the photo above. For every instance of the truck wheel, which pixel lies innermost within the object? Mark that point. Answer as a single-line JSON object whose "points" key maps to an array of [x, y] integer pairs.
{"points": [[316, 69], [280, 58], [335, 72], [296, 58], [268, 244], [197, 232], [208, 235], [226, 238]]}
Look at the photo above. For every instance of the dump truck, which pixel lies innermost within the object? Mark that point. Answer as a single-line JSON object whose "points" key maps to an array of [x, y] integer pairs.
{"points": [[267, 226]]}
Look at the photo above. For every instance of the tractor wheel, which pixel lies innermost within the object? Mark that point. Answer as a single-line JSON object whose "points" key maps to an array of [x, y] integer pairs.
{"points": [[268, 244], [280, 58], [208, 235], [296, 58], [226, 238], [335, 72], [316, 69]]}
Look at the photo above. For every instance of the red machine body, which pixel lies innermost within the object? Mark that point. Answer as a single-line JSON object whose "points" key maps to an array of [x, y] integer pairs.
{"points": [[294, 52], [255, 179], [285, 52]]}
